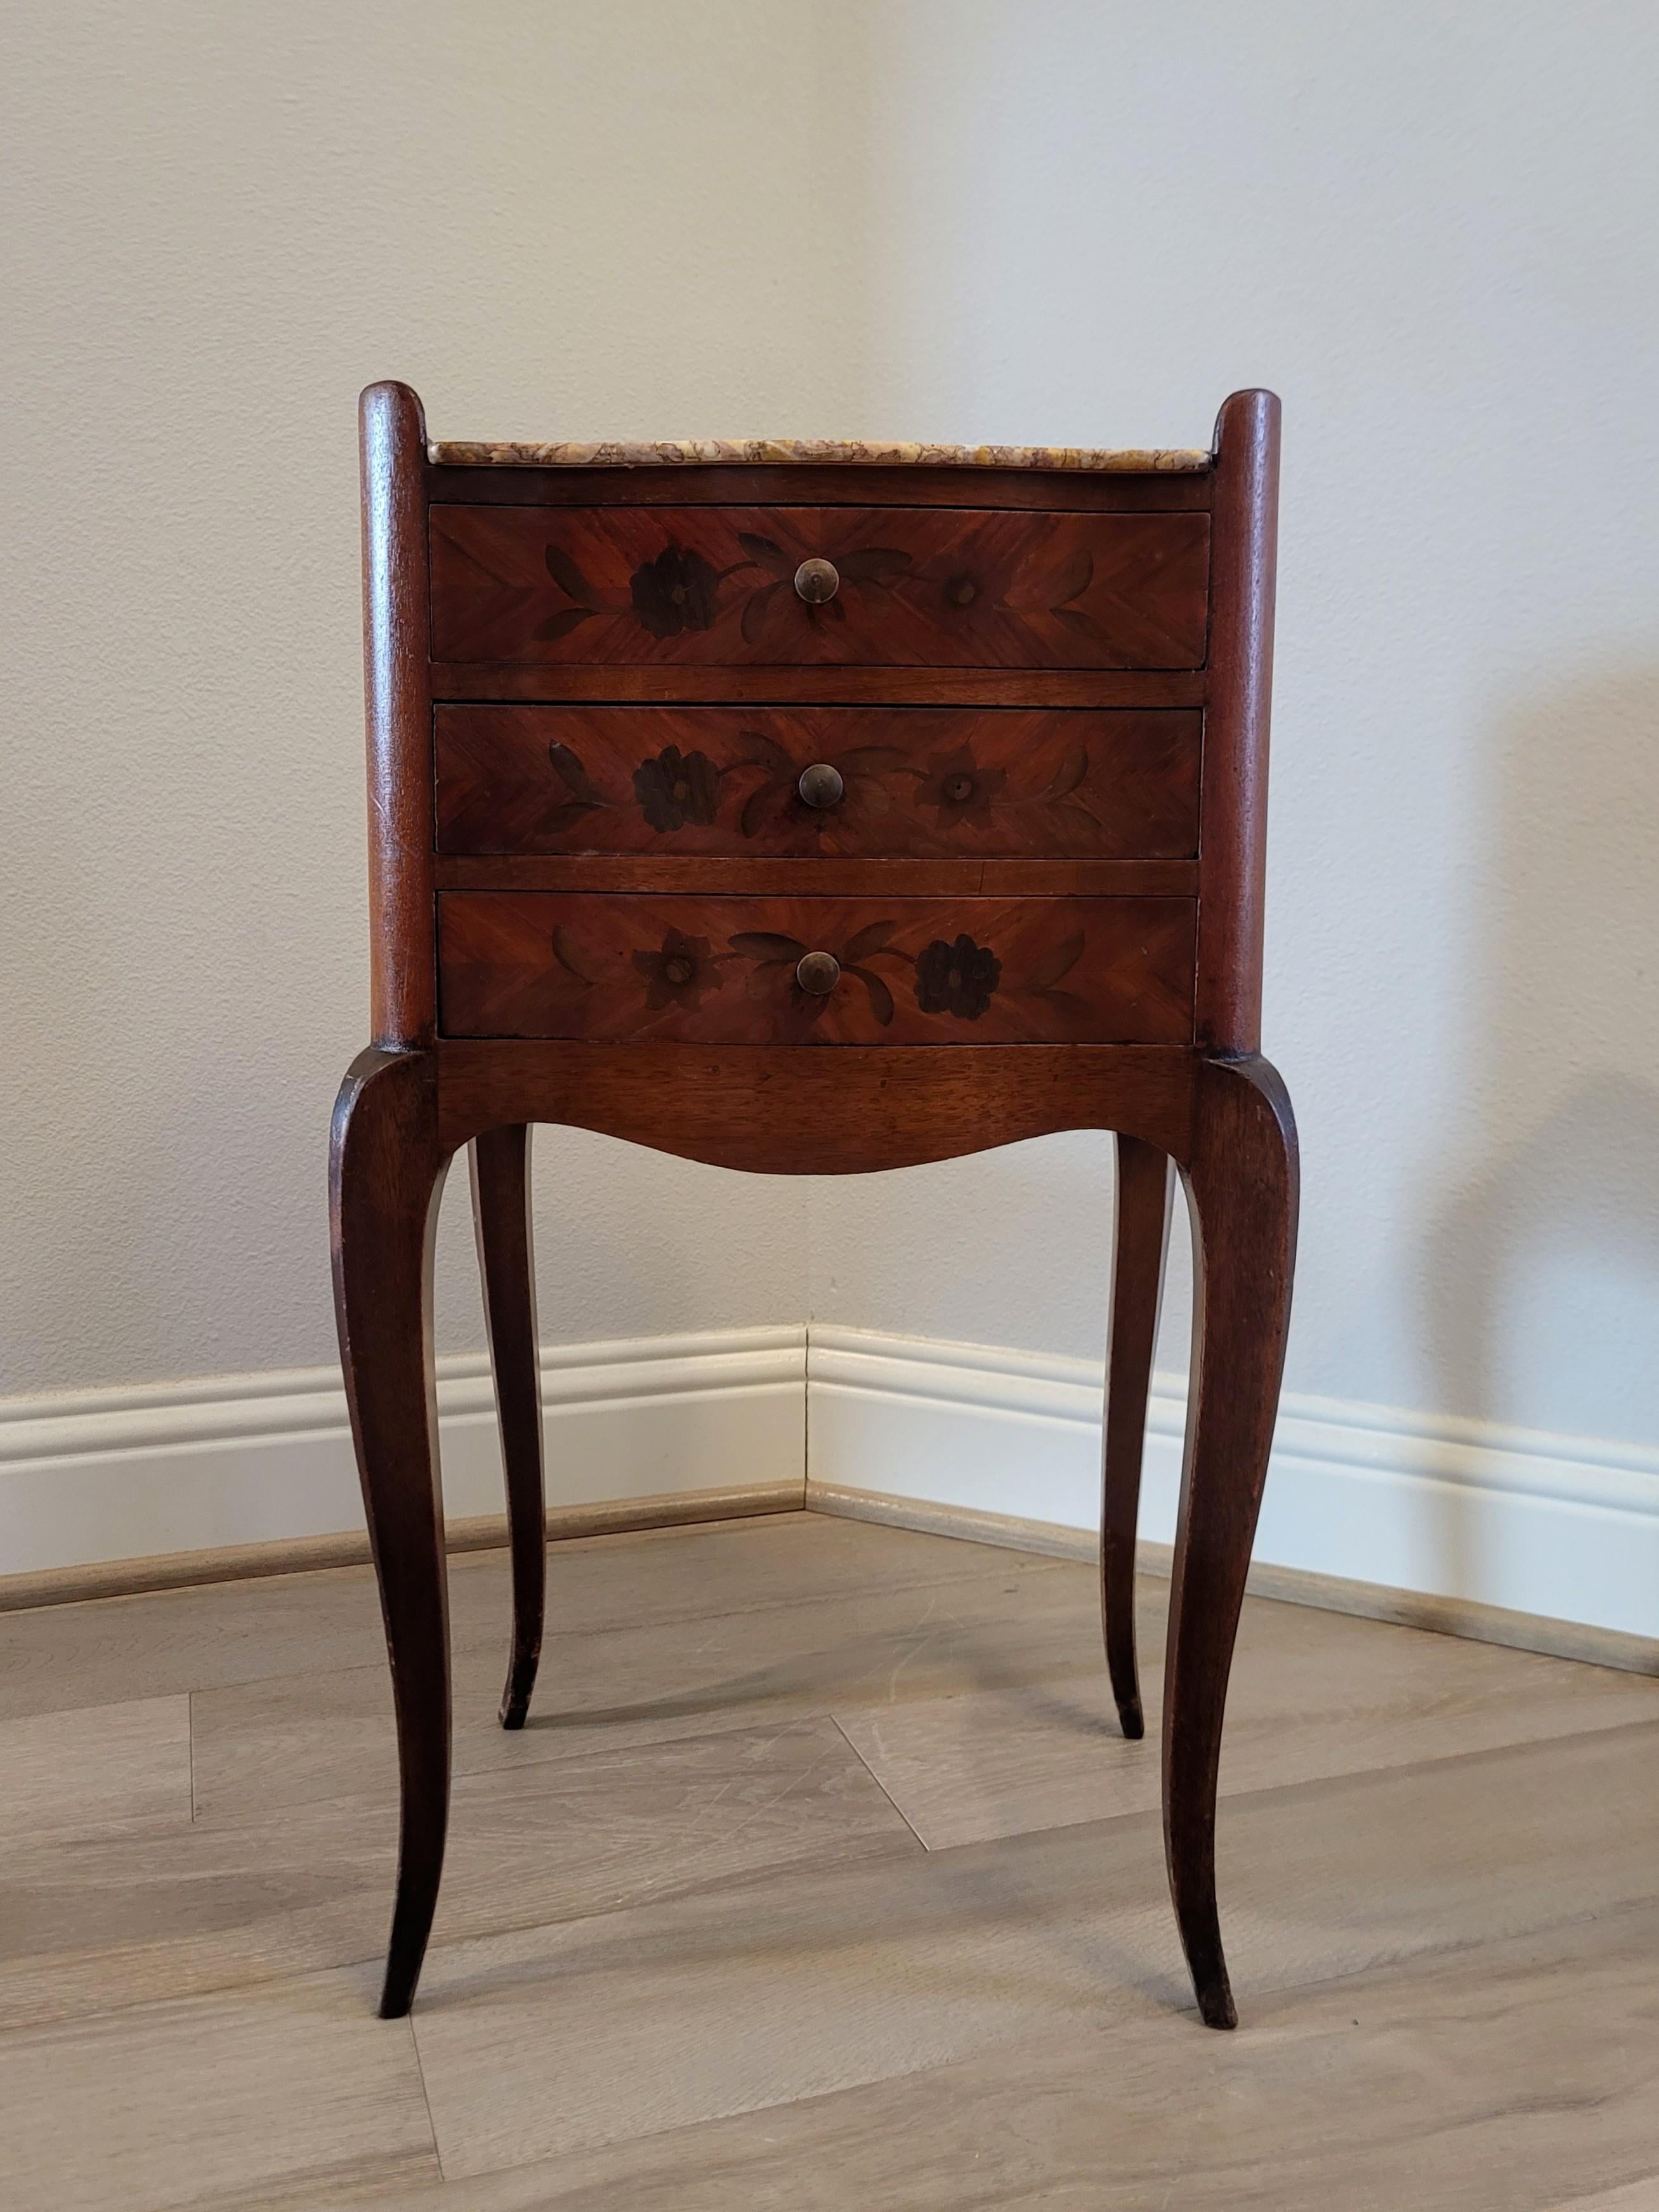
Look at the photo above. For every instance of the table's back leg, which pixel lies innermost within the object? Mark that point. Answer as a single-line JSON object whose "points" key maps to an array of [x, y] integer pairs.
{"points": [[386, 1171], [501, 1212], [1145, 1186], [1242, 1182]]}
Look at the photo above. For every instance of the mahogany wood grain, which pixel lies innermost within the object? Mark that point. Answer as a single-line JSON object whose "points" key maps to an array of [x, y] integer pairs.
{"points": [[670, 872], [386, 1171], [1146, 1187], [1235, 856], [834, 687], [1241, 1181], [397, 698], [915, 782], [723, 971], [501, 1221], [817, 484], [713, 586], [768, 1111]]}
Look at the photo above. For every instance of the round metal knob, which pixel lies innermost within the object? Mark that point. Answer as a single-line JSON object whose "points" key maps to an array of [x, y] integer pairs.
{"points": [[818, 972], [820, 784], [816, 582]]}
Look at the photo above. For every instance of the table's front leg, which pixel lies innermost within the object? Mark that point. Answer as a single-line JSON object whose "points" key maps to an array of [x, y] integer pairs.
{"points": [[506, 1263], [386, 1170], [1243, 1181], [1146, 1185]]}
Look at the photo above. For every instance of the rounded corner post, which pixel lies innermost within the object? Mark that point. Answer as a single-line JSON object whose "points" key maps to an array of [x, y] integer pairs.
{"points": [[1233, 835], [398, 700]]}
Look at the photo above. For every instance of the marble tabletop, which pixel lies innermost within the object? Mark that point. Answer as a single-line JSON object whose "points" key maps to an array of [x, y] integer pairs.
{"points": [[701, 453]]}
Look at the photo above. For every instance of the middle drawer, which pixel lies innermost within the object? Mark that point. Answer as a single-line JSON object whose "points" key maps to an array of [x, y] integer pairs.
{"points": [[906, 782]]}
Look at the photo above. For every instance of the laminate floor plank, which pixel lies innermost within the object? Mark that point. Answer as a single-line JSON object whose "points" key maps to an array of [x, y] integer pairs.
{"points": [[261, 1746], [1304, 1703], [164, 1642], [271, 2097], [1486, 2080], [692, 1953], [782, 1987], [90, 1925], [123, 1769]]}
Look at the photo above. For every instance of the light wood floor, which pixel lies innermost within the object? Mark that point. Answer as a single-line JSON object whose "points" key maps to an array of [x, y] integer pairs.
{"points": [[821, 1879]]}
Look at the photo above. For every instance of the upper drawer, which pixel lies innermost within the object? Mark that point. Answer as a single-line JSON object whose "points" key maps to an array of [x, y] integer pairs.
{"points": [[894, 782], [912, 588]]}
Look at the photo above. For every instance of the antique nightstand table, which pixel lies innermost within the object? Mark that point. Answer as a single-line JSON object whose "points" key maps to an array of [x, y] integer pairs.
{"points": [[812, 809]]}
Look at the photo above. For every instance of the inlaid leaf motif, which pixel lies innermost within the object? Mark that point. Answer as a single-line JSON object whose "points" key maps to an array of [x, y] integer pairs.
{"points": [[873, 939], [571, 957], [571, 773], [1057, 962], [766, 553], [1068, 775], [567, 575], [561, 624], [754, 612], [881, 999], [1074, 579], [782, 761], [754, 809], [875, 564], [1074, 618]]}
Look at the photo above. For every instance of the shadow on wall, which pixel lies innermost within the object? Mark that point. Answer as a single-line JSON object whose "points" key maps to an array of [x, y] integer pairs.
{"points": [[1543, 1269]]}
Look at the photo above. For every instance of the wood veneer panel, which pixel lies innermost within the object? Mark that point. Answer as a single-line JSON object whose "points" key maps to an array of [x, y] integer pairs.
{"points": [[724, 970], [713, 586], [916, 782]]}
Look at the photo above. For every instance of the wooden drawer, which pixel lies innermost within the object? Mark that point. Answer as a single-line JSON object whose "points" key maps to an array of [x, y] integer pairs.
{"points": [[614, 967], [916, 782], [918, 588]]}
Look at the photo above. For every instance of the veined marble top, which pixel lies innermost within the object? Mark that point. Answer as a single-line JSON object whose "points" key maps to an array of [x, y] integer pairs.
{"points": [[676, 453]]}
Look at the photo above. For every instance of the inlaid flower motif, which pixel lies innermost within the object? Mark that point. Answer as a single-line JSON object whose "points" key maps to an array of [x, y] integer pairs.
{"points": [[681, 973], [957, 979], [676, 787], [676, 591], [959, 788]]}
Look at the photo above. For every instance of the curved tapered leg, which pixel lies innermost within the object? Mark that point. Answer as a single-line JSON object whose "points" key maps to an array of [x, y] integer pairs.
{"points": [[501, 1214], [1241, 1182], [1145, 1188], [386, 1170]]}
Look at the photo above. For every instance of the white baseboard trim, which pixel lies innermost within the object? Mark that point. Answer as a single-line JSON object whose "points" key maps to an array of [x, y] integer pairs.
{"points": [[236, 1460], [1512, 1520]]}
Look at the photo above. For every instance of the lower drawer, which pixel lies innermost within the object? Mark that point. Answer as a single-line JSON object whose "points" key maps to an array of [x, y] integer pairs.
{"points": [[722, 970]]}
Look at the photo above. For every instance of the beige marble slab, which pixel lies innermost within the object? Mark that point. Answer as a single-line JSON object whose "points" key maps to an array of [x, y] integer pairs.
{"points": [[264, 1745], [1303, 1703], [122, 1769], [1488, 2081], [269, 2097], [789, 452], [88, 1925], [767, 1992]]}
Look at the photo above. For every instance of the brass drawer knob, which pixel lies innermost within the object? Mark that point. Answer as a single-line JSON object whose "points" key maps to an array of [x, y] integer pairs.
{"points": [[820, 784], [816, 582], [818, 972]]}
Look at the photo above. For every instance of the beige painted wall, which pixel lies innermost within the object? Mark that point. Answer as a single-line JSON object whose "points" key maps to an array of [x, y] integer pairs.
{"points": [[1432, 229], [222, 219]]}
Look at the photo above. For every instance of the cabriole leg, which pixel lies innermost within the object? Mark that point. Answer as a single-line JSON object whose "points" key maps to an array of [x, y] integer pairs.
{"points": [[501, 1212], [386, 1171], [1242, 1183], [1145, 1187]]}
